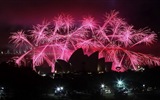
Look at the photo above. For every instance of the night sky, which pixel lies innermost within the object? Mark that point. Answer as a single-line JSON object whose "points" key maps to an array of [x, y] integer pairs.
{"points": [[21, 14]]}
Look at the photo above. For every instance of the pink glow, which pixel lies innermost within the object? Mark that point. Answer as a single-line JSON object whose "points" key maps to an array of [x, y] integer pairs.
{"points": [[114, 40]]}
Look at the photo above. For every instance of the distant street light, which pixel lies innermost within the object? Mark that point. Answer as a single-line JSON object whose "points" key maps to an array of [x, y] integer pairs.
{"points": [[120, 83], [59, 89], [102, 85]]}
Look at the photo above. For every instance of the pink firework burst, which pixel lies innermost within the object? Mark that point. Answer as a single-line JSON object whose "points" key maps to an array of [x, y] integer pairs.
{"points": [[59, 38]]}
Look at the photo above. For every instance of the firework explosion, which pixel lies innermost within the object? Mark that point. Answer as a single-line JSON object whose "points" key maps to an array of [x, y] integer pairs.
{"points": [[59, 38]]}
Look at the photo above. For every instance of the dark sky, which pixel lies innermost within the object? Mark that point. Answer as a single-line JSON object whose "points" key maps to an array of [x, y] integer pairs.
{"points": [[15, 14]]}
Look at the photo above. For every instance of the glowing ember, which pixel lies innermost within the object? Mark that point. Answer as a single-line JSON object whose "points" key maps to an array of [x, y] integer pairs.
{"points": [[59, 38]]}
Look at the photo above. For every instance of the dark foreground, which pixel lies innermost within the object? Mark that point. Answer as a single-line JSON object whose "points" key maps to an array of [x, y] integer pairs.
{"points": [[87, 97], [26, 84]]}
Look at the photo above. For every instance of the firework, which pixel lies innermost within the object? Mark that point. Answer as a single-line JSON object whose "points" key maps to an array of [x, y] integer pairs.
{"points": [[113, 39]]}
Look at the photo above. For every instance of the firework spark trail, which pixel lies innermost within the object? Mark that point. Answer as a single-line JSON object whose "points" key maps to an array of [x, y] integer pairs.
{"points": [[62, 36], [39, 32], [39, 56], [19, 38]]}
